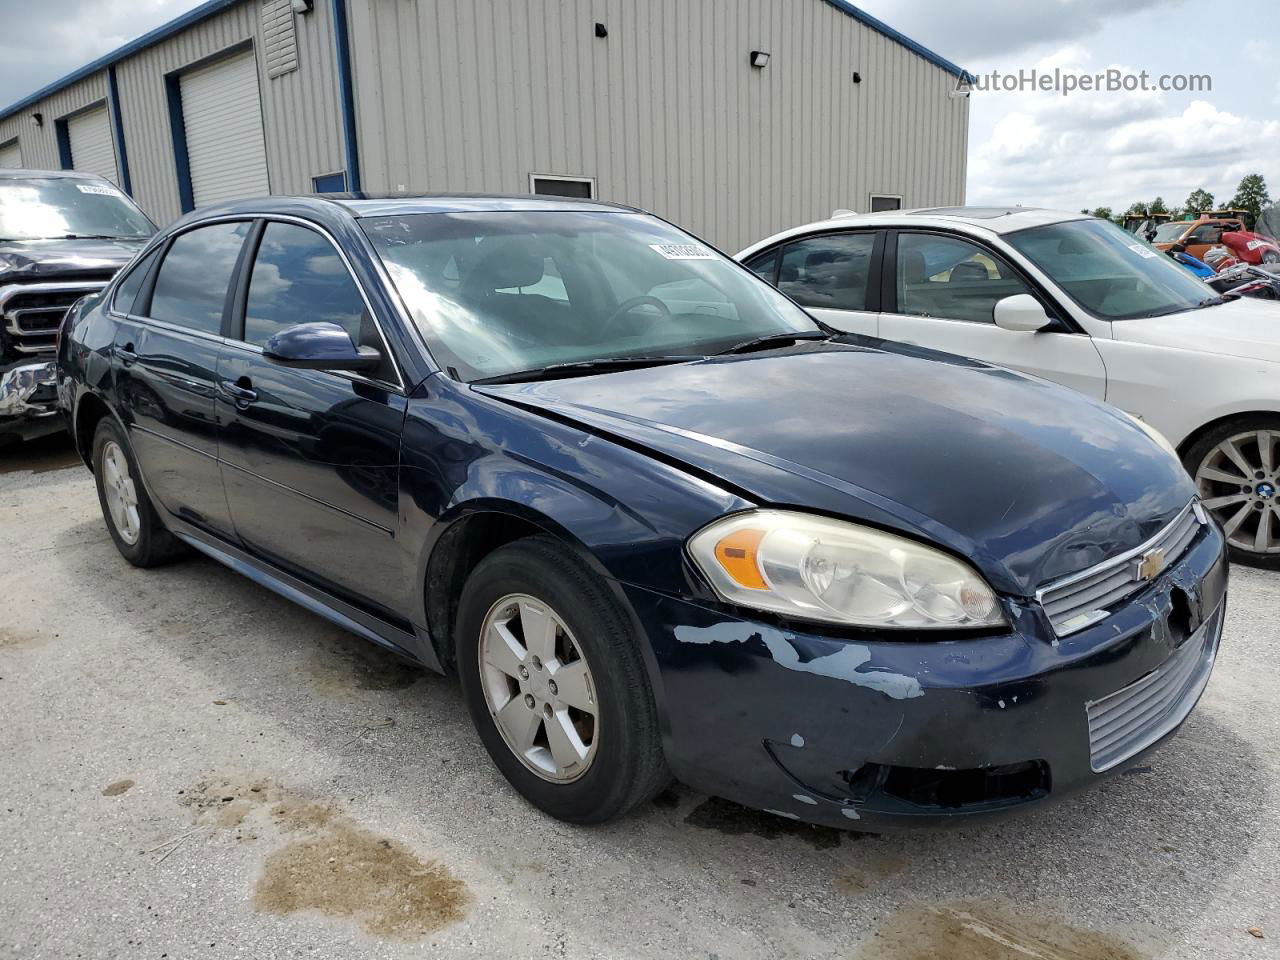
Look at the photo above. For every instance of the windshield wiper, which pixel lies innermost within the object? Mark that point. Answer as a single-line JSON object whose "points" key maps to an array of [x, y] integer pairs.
{"points": [[773, 339], [1210, 302], [92, 236], [586, 368]]}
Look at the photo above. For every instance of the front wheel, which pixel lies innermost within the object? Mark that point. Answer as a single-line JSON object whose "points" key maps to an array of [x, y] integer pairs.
{"points": [[1236, 467], [555, 683]]}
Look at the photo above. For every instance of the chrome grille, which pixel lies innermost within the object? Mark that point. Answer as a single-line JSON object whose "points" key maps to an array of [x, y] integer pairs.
{"points": [[1130, 720], [33, 312], [1082, 599]]}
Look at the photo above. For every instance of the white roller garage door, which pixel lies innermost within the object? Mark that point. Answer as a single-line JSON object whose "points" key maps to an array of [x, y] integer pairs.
{"points": [[222, 114], [10, 155], [91, 148]]}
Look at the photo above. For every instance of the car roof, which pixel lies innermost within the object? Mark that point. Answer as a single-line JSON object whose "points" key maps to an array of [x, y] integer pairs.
{"points": [[1006, 219], [15, 173], [399, 204]]}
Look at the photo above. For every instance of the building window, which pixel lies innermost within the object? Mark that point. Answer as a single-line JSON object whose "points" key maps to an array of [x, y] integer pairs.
{"points": [[330, 182], [582, 188], [885, 201]]}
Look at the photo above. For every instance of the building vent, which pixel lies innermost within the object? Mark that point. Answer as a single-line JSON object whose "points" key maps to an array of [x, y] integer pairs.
{"points": [[278, 37]]}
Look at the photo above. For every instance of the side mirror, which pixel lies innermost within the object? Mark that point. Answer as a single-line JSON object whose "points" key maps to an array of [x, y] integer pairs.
{"points": [[1022, 313], [319, 346], [1177, 248]]}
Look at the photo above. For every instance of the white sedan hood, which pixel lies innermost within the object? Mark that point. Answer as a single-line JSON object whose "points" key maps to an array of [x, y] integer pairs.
{"points": [[1248, 328]]}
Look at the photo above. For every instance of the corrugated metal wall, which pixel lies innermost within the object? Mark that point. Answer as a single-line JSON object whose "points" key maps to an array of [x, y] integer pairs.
{"points": [[666, 112], [40, 144], [300, 108]]}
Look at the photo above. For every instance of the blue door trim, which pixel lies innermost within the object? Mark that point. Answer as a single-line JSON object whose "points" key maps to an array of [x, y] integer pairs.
{"points": [[178, 129], [117, 131], [346, 91], [63, 135]]}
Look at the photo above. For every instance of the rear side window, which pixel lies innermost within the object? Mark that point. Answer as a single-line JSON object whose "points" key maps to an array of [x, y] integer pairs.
{"points": [[831, 271], [191, 288], [298, 277], [765, 265], [127, 291]]}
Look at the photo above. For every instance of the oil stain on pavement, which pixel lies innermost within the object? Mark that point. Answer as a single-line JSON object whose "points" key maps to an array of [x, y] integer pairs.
{"points": [[979, 932], [331, 864], [117, 788]]}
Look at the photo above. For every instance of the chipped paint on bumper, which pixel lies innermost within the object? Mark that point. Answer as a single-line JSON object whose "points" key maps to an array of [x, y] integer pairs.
{"points": [[777, 718]]}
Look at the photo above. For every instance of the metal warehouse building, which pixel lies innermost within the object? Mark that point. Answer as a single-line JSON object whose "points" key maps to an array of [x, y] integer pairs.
{"points": [[734, 118]]}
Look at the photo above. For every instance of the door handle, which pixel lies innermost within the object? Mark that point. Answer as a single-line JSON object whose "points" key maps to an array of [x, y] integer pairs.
{"points": [[240, 392], [126, 354]]}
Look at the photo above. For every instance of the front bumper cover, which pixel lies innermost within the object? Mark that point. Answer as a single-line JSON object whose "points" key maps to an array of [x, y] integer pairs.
{"points": [[28, 399], [883, 732]]}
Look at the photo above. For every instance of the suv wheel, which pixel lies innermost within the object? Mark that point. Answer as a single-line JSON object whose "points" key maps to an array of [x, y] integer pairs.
{"points": [[556, 685], [1237, 469], [131, 519]]}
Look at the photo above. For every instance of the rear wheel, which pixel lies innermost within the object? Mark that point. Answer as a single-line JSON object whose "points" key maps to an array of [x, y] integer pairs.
{"points": [[132, 521], [555, 683], [1237, 469]]}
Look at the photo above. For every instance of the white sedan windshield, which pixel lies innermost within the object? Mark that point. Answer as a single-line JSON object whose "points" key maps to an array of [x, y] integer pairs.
{"points": [[1112, 274]]}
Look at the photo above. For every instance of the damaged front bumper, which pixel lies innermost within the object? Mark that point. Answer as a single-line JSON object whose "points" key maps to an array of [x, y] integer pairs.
{"points": [[28, 400], [884, 732]]}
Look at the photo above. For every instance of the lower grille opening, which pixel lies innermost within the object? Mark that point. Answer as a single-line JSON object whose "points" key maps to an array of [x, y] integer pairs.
{"points": [[884, 786]]}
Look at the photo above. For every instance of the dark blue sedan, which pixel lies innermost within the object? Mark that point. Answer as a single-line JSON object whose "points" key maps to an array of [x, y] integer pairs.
{"points": [[659, 521]]}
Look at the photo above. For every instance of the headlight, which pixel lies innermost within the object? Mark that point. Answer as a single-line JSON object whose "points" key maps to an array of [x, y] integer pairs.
{"points": [[840, 572], [1154, 434]]}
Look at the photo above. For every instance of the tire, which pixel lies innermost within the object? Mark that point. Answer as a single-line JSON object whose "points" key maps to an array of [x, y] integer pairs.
{"points": [[1271, 257], [542, 583], [138, 532], [1236, 467]]}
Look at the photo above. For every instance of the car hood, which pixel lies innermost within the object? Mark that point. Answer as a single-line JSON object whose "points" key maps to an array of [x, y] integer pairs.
{"points": [[27, 260], [1029, 480], [1248, 327]]}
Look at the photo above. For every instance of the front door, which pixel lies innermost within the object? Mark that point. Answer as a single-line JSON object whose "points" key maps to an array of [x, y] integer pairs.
{"points": [[166, 358], [310, 459], [946, 292]]}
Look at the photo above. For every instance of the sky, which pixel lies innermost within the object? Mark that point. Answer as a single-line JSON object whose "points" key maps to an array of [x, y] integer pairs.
{"points": [[1035, 148]]}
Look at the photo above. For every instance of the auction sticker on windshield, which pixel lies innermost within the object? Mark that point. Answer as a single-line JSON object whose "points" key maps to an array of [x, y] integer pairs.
{"points": [[1142, 251], [99, 189], [683, 251]]}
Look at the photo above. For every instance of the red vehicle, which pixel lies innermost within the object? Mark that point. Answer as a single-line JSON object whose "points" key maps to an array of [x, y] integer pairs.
{"points": [[1197, 236]]}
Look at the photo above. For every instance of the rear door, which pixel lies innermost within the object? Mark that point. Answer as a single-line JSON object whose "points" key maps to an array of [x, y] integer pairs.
{"points": [[830, 275], [310, 458], [942, 293], [165, 358]]}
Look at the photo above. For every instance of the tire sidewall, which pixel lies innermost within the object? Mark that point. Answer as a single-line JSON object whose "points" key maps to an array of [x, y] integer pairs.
{"points": [[603, 638]]}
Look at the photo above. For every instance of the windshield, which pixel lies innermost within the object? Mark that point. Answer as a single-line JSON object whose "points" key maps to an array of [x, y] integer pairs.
{"points": [[1112, 274], [1170, 232], [499, 293], [64, 207]]}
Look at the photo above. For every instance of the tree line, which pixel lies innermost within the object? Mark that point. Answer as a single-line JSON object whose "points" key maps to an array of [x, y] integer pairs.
{"points": [[1251, 195]]}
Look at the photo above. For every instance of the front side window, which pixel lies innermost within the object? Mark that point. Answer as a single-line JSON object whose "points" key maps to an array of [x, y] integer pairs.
{"points": [[830, 271], [191, 287], [67, 208], [1108, 272], [951, 278], [504, 292], [298, 277], [1170, 232], [1209, 233]]}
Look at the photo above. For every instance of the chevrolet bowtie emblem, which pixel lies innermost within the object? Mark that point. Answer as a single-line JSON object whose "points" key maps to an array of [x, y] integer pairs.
{"points": [[1150, 564]]}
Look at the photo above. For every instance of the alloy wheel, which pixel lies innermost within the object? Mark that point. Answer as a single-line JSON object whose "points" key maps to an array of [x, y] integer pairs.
{"points": [[121, 493], [1239, 482], [538, 688]]}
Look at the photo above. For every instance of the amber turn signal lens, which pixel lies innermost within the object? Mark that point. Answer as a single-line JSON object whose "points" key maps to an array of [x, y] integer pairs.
{"points": [[737, 555]]}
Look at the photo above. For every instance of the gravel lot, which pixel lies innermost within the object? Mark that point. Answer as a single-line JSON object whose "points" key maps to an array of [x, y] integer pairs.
{"points": [[193, 767]]}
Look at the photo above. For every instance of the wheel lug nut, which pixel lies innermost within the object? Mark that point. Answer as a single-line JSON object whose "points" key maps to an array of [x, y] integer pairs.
{"points": [[524, 673], [537, 663], [546, 709], [551, 685], [528, 700]]}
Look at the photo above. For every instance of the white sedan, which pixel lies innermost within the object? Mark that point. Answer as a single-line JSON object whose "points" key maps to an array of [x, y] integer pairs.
{"points": [[1072, 299]]}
